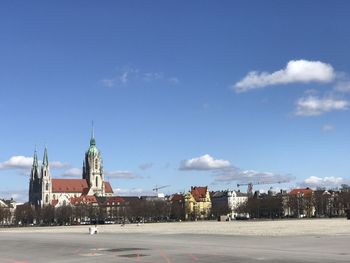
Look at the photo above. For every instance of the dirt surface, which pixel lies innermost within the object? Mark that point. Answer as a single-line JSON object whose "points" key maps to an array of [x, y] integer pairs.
{"points": [[338, 226]]}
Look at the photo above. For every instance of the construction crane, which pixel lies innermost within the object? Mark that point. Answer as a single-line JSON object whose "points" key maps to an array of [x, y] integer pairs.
{"points": [[250, 185], [159, 187]]}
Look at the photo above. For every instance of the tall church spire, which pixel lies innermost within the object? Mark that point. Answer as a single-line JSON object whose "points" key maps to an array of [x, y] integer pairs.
{"points": [[34, 182], [35, 159], [92, 140], [45, 159], [93, 167]]}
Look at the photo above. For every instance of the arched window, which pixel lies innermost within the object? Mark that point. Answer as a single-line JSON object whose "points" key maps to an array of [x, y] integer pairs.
{"points": [[47, 186], [96, 165], [45, 173], [47, 199], [96, 181]]}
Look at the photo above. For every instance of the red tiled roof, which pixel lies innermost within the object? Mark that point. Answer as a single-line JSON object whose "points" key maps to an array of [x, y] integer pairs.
{"points": [[199, 193], [108, 188], [86, 199], [177, 198], [305, 191], [69, 185], [85, 191]]}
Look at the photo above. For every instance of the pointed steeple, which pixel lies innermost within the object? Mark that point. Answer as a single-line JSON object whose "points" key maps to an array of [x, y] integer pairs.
{"points": [[92, 140], [35, 159], [45, 159]]}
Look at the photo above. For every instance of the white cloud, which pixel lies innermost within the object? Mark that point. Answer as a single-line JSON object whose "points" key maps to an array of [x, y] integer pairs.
{"points": [[17, 162], [205, 162], [296, 71], [23, 162], [73, 172], [313, 106], [20, 196], [122, 175], [328, 128], [314, 181], [246, 176], [131, 192]]}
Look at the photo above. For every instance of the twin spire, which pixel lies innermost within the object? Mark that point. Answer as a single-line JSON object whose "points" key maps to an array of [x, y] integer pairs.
{"points": [[45, 159], [35, 159]]}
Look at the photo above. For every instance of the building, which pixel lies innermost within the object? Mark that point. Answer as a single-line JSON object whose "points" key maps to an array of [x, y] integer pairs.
{"points": [[45, 190], [7, 211], [197, 203], [226, 202], [301, 203]]}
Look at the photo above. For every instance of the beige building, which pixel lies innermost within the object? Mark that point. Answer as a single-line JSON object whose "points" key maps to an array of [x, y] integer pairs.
{"points": [[197, 203]]}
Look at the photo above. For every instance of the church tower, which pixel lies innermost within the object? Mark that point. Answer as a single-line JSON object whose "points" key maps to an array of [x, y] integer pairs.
{"points": [[34, 182], [46, 185], [93, 168]]}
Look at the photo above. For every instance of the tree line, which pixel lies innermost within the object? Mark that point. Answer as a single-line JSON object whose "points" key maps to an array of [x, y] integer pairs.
{"points": [[320, 204], [132, 211]]}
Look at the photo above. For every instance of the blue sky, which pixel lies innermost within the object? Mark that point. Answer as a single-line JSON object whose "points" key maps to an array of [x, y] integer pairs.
{"points": [[170, 88]]}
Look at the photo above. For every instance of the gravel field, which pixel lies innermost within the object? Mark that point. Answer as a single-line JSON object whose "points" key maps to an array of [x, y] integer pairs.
{"points": [[339, 226]]}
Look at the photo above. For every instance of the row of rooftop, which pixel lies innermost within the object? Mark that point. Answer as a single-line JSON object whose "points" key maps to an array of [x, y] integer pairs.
{"points": [[198, 203]]}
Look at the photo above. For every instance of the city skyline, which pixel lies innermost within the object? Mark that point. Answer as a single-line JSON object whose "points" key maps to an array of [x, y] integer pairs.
{"points": [[181, 94]]}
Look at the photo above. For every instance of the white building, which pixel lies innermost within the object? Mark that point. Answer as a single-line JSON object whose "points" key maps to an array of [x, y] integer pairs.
{"points": [[228, 199]]}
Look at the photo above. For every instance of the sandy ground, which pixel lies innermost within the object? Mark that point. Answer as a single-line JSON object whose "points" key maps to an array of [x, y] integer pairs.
{"points": [[318, 227]]}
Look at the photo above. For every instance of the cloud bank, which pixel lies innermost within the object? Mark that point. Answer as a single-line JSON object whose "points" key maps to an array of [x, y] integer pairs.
{"points": [[223, 171], [23, 162], [314, 106], [246, 176], [328, 182], [131, 192], [296, 71], [17, 162]]}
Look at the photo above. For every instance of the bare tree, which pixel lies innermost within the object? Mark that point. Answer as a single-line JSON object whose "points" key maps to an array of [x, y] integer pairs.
{"points": [[24, 214]]}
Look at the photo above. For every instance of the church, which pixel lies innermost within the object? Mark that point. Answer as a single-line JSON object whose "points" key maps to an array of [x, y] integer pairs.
{"points": [[45, 190]]}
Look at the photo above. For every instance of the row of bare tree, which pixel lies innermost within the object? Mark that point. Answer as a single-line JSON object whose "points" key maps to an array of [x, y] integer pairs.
{"points": [[319, 204], [136, 210]]}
